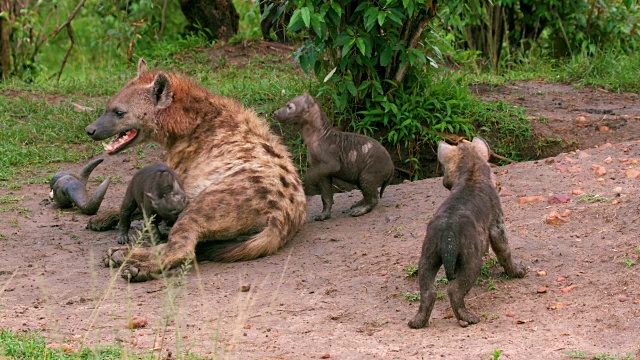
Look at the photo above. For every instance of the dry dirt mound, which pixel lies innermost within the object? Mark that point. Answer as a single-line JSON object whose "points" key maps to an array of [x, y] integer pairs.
{"points": [[337, 288]]}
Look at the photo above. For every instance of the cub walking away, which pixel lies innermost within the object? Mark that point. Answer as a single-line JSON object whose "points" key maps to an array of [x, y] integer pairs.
{"points": [[461, 230]]}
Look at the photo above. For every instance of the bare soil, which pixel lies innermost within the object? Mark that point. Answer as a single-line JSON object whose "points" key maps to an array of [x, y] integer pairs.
{"points": [[336, 290]]}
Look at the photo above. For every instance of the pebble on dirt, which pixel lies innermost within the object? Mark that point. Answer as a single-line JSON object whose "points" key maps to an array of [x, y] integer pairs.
{"points": [[541, 273], [542, 290], [137, 322], [558, 199], [568, 288]]}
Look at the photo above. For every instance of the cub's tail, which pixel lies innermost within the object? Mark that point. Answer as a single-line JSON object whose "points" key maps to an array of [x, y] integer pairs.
{"points": [[385, 183], [449, 253], [104, 221]]}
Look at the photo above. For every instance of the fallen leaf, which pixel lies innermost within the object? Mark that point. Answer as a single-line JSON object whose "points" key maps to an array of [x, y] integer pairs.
{"points": [[137, 322], [570, 160], [247, 326], [558, 199], [523, 321], [325, 356], [631, 173], [566, 213], [599, 170], [542, 290], [245, 288], [549, 161], [560, 279], [531, 199], [557, 306], [554, 219], [66, 348], [568, 288], [574, 169]]}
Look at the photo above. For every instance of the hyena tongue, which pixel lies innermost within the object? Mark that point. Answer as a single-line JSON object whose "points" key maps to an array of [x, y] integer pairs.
{"points": [[120, 140]]}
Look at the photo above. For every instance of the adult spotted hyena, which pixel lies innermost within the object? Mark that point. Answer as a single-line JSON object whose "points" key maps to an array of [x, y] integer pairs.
{"points": [[245, 196]]}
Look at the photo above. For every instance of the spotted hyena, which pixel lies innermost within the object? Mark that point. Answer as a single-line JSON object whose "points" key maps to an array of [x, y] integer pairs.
{"points": [[462, 229], [353, 158], [245, 196]]}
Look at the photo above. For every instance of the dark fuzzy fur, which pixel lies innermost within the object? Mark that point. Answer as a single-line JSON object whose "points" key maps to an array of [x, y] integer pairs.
{"points": [[158, 193], [353, 158], [462, 229]]}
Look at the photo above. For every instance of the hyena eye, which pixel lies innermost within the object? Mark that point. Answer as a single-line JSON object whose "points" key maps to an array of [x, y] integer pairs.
{"points": [[290, 107], [119, 113]]}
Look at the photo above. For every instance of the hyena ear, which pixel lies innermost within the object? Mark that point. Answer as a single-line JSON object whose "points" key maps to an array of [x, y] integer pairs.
{"points": [[481, 147], [444, 151], [161, 93], [142, 66]]}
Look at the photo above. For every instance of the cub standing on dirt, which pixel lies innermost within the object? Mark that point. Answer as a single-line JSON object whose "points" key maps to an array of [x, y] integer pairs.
{"points": [[67, 189], [157, 192], [353, 158], [461, 230], [245, 196]]}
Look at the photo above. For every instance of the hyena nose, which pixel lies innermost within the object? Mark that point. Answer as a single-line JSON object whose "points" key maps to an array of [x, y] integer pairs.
{"points": [[90, 130]]}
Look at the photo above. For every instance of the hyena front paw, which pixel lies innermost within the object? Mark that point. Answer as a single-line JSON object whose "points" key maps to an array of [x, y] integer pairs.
{"points": [[322, 217], [123, 239], [360, 210], [116, 256], [418, 322], [136, 273], [468, 317], [519, 271]]}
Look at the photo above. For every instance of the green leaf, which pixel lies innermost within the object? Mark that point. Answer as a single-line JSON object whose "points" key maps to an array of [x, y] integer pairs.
{"points": [[385, 56], [381, 16], [361, 46], [306, 16], [352, 88], [347, 48], [336, 7], [295, 18]]}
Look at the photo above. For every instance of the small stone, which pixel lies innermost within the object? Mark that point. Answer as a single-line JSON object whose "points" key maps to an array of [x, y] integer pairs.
{"points": [[560, 279], [463, 323], [581, 119], [558, 199], [245, 288], [549, 161], [247, 326], [542, 290], [541, 273], [137, 322], [623, 298], [599, 170], [617, 189], [568, 288], [603, 128], [608, 160], [510, 314], [631, 173], [577, 192], [325, 356]]}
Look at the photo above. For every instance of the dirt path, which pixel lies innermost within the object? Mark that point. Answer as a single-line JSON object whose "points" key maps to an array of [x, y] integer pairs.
{"points": [[337, 288]]}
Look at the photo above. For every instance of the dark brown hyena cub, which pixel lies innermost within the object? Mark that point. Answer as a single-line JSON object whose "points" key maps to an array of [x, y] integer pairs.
{"points": [[461, 230], [353, 158], [156, 191]]}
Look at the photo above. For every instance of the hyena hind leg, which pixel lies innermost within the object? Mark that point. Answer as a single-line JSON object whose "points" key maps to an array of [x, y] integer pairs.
{"points": [[369, 198], [459, 287], [427, 272], [500, 246]]}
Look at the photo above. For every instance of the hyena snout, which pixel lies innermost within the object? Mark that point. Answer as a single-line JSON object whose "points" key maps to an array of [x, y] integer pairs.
{"points": [[90, 130]]}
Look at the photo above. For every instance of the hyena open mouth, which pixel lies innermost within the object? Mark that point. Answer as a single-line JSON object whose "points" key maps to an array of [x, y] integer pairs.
{"points": [[121, 141]]}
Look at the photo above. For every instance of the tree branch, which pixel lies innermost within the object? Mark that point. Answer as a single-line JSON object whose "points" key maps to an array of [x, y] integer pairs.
{"points": [[58, 29], [422, 25], [66, 55]]}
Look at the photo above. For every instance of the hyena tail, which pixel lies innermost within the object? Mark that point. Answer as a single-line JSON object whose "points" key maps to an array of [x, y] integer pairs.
{"points": [[449, 254], [280, 229], [384, 184]]}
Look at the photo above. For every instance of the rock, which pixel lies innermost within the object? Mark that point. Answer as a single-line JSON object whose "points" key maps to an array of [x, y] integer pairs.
{"points": [[603, 128], [542, 290], [245, 288], [623, 298], [568, 288], [541, 273], [608, 160], [137, 322], [554, 219], [631, 173], [599, 170], [510, 314], [577, 192]]}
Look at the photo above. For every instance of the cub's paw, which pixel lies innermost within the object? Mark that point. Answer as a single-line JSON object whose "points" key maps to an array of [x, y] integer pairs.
{"points": [[519, 271], [360, 210], [322, 217], [123, 239], [468, 318], [418, 322]]}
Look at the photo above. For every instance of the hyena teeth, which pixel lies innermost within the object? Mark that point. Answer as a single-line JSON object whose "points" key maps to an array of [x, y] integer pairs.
{"points": [[106, 146]]}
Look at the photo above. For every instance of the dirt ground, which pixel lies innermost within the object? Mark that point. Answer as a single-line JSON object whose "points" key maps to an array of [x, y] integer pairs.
{"points": [[338, 289]]}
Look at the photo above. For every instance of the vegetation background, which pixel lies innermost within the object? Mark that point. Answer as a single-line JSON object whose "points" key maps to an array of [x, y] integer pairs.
{"points": [[397, 70]]}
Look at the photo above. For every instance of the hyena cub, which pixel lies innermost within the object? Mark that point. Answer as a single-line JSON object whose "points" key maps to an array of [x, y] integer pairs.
{"points": [[353, 158], [156, 191], [461, 230]]}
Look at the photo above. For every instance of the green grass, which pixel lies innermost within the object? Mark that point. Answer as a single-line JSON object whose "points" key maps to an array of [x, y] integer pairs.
{"points": [[591, 198]]}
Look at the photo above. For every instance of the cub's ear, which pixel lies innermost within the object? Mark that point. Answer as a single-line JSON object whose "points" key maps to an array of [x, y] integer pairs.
{"points": [[142, 66], [161, 93], [481, 147], [444, 152]]}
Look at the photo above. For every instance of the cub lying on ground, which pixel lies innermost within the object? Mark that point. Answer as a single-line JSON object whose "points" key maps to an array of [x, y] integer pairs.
{"points": [[67, 189], [157, 192], [461, 230], [353, 158]]}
